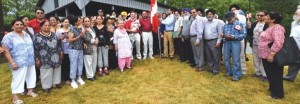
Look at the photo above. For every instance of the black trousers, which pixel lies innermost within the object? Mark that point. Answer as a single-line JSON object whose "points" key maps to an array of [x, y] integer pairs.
{"points": [[178, 46], [65, 68], [274, 74], [112, 59], [187, 51], [155, 44]]}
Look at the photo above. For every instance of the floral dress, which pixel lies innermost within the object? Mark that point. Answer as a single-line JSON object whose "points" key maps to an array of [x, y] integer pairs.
{"points": [[121, 38]]}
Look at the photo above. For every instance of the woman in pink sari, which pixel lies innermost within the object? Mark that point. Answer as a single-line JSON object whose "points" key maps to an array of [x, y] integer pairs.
{"points": [[122, 46]]}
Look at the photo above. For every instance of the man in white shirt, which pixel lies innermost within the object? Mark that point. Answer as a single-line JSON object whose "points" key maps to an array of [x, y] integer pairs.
{"points": [[177, 36]]}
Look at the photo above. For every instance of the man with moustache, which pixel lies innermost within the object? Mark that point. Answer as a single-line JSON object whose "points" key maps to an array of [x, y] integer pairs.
{"points": [[212, 39]]}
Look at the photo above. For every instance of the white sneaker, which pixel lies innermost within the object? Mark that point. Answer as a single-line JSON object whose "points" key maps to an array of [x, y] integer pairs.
{"points": [[139, 58], [151, 57], [80, 81], [74, 84], [144, 58]]}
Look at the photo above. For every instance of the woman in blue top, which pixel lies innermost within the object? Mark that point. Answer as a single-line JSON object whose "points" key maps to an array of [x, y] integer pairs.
{"points": [[19, 51]]}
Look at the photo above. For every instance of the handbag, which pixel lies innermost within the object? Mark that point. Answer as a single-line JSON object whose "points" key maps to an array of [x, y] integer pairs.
{"points": [[289, 53]]}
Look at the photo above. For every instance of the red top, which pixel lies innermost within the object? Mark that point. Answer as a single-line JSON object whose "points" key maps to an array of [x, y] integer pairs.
{"points": [[35, 25], [272, 34], [145, 24], [129, 25]]}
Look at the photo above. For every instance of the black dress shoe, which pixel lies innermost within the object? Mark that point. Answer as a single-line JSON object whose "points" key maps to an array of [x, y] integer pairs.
{"points": [[247, 59], [275, 97], [91, 79], [286, 79], [47, 90], [59, 86]]}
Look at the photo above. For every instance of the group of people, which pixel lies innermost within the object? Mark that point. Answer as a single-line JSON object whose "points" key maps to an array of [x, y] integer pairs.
{"points": [[56, 49]]}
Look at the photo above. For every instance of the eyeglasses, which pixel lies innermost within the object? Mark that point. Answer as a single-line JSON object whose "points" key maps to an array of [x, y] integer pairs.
{"points": [[193, 12], [260, 15], [39, 13]]}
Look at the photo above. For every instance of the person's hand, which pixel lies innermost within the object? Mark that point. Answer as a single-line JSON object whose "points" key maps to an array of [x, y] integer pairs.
{"points": [[270, 58], [197, 43], [182, 39], [162, 36], [238, 27], [85, 46], [37, 63], [1, 50], [249, 24], [217, 45], [106, 46], [61, 55], [62, 37], [228, 37], [177, 36], [116, 48], [14, 66], [96, 41], [221, 35], [83, 32]]}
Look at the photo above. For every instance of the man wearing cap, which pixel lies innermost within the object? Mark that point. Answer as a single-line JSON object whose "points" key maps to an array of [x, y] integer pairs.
{"points": [[147, 37], [132, 27], [240, 16], [169, 22], [234, 32], [187, 48], [100, 13], [196, 34], [213, 29]]}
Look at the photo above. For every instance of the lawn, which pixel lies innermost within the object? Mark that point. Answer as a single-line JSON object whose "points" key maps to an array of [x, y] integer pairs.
{"points": [[159, 81]]}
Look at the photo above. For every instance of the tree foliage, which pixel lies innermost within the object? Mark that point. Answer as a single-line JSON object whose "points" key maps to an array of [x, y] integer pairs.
{"points": [[16, 8]]}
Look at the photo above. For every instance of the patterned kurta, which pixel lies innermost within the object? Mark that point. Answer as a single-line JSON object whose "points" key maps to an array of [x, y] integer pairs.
{"points": [[48, 49], [124, 44], [272, 34], [21, 49]]}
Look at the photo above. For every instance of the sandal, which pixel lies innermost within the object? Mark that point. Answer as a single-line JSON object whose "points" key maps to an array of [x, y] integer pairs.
{"points": [[18, 102], [33, 94]]}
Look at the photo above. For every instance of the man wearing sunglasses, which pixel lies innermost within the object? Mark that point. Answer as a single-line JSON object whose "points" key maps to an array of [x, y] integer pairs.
{"points": [[39, 17]]}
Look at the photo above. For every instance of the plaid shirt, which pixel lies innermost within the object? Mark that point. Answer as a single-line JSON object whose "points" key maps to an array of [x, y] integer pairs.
{"points": [[238, 35]]}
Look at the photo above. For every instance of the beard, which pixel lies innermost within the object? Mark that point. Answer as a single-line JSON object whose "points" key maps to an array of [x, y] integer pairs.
{"points": [[186, 17], [296, 18]]}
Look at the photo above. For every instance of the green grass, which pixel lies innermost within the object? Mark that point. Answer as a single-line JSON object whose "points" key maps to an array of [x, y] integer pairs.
{"points": [[159, 81]]}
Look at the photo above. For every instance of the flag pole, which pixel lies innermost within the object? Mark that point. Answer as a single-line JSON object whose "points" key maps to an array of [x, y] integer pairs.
{"points": [[159, 42]]}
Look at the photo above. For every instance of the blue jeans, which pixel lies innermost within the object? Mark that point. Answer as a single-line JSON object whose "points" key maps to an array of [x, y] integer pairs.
{"points": [[233, 48], [76, 63]]}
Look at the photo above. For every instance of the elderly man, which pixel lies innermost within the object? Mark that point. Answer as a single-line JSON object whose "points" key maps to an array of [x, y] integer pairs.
{"points": [[196, 34], [234, 32], [132, 27], [169, 23], [187, 47], [212, 39], [295, 33]]}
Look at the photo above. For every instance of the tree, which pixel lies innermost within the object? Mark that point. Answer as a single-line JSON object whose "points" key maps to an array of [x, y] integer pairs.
{"points": [[16, 8]]}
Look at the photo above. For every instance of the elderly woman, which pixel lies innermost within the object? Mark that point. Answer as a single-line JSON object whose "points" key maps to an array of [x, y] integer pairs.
{"points": [[273, 35], [90, 49], [76, 51], [19, 51], [48, 56], [122, 46], [63, 32]]}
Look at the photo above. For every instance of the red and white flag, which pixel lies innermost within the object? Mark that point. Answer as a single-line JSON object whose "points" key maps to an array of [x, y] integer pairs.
{"points": [[154, 17]]}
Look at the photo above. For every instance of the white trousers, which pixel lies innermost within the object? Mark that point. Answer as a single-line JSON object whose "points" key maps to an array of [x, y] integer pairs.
{"points": [[257, 61], [136, 38], [50, 76], [148, 41], [21, 75], [243, 58], [90, 63]]}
